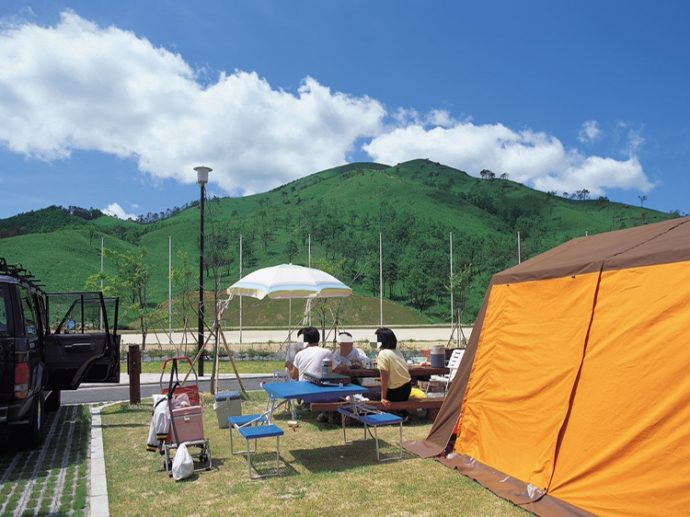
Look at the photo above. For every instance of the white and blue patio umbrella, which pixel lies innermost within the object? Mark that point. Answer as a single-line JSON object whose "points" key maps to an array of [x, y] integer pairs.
{"points": [[288, 281]]}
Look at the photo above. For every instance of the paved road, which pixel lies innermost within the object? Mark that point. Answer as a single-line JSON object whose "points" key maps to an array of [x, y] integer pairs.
{"points": [[113, 392], [435, 334]]}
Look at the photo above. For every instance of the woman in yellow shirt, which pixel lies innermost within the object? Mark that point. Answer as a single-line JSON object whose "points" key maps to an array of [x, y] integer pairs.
{"points": [[395, 377]]}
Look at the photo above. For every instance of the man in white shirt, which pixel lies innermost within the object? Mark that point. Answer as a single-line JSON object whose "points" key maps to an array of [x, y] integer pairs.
{"points": [[311, 357], [292, 351], [348, 355]]}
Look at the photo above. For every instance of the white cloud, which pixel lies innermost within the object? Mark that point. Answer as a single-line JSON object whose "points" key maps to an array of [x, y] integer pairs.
{"points": [[529, 157], [115, 210], [77, 86], [589, 132], [631, 134]]}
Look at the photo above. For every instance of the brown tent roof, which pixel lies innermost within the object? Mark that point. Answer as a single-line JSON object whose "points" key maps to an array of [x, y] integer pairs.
{"points": [[664, 242]]}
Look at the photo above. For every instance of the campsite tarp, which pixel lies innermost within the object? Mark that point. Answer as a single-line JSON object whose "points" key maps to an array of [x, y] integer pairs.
{"points": [[573, 395]]}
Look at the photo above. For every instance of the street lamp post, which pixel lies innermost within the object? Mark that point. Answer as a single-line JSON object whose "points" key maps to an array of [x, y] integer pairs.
{"points": [[201, 179]]}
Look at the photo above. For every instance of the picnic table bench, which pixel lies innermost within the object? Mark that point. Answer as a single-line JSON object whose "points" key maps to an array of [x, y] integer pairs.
{"points": [[432, 405], [416, 372]]}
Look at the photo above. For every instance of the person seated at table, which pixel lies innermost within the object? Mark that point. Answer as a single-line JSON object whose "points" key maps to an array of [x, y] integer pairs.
{"points": [[396, 382], [311, 357], [292, 351], [348, 355]]}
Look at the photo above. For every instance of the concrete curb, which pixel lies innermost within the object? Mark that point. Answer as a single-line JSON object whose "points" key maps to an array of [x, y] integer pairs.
{"points": [[98, 485], [154, 378]]}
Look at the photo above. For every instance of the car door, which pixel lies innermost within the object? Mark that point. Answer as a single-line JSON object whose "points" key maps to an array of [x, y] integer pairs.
{"points": [[81, 341]]}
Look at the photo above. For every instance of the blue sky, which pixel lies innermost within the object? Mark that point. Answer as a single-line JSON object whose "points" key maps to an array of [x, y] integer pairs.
{"points": [[111, 104]]}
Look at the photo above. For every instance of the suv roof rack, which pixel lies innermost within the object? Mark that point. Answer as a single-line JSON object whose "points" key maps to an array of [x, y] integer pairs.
{"points": [[20, 272]]}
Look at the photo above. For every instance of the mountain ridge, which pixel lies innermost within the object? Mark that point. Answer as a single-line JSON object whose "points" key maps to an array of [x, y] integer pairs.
{"points": [[415, 205]]}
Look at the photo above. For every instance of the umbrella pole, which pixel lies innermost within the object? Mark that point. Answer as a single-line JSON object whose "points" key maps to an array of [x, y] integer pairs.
{"points": [[334, 326], [289, 320]]}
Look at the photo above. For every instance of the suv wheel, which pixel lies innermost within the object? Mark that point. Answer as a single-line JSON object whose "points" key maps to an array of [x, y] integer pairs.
{"points": [[34, 433], [53, 401]]}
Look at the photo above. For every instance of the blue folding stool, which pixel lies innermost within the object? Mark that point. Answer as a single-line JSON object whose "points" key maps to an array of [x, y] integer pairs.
{"points": [[373, 418], [247, 426]]}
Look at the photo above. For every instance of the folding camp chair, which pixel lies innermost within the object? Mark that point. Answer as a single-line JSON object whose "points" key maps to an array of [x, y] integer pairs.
{"points": [[453, 365], [372, 417], [255, 427]]}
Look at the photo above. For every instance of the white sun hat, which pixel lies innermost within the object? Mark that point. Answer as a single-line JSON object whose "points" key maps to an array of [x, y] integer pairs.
{"points": [[345, 337]]}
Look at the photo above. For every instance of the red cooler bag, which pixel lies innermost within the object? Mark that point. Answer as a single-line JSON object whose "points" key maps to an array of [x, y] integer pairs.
{"points": [[189, 423]]}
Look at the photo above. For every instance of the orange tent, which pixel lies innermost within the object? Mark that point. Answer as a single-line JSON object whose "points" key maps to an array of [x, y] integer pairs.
{"points": [[574, 395]]}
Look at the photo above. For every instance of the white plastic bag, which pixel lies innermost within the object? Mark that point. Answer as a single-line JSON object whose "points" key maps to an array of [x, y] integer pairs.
{"points": [[183, 464]]}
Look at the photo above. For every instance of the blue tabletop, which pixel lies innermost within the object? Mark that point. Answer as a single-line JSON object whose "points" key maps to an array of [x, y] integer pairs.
{"points": [[307, 390]]}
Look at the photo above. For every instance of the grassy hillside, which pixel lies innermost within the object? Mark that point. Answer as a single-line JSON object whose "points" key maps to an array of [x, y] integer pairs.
{"points": [[414, 205]]}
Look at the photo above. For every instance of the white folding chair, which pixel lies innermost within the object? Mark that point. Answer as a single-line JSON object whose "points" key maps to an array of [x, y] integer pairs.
{"points": [[453, 365]]}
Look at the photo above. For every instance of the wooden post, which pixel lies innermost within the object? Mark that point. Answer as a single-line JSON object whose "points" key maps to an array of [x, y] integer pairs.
{"points": [[134, 371]]}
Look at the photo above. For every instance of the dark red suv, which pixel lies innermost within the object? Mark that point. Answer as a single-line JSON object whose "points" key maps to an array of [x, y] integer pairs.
{"points": [[49, 342]]}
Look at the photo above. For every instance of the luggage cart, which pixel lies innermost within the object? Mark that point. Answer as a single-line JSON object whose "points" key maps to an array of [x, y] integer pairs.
{"points": [[191, 389], [186, 423]]}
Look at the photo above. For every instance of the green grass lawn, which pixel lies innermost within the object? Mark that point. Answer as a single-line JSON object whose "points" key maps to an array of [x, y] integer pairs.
{"points": [[223, 367], [320, 475]]}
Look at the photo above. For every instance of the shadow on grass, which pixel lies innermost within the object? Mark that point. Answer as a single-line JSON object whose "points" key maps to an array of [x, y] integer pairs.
{"points": [[264, 463], [123, 425], [338, 458], [127, 408]]}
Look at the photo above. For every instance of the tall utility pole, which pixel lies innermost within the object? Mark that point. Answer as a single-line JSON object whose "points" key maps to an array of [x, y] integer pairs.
{"points": [[519, 253], [452, 305], [202, 179], [170, 289], [102, 253], [309, 264], [241, 296], [381, 279]]}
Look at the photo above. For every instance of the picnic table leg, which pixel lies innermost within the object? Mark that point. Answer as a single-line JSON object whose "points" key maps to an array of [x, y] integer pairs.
{"points": [[270, 409], [401, 451], [277, 471], [249, 459]]}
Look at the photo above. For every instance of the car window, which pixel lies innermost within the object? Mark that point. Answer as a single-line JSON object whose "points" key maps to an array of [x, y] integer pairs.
{"points": [[4, 330], [29, 314]]}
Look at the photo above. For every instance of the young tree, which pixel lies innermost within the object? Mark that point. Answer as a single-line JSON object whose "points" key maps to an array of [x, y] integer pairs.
{"points": [[184, 285], [418, 288], [130, 283], [291, 249]]}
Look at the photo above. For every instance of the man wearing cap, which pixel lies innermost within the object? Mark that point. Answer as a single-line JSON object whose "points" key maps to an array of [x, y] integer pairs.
{"points": [[348, 355], [311, 357]]}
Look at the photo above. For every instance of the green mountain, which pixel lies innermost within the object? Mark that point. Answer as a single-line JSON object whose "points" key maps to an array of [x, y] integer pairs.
{"points": [[413, 205]]}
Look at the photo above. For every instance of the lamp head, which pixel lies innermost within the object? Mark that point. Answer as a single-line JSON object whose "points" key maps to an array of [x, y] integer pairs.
{"points": [[202, 174]]}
